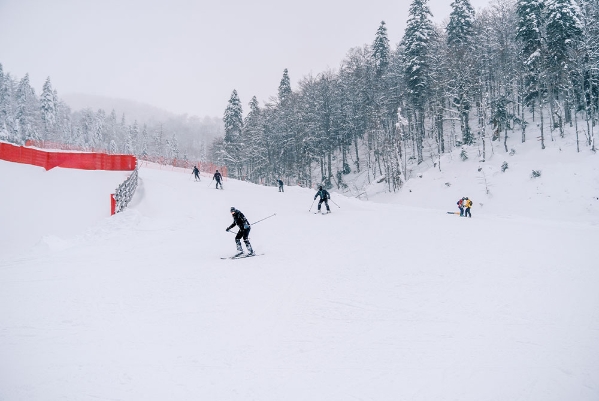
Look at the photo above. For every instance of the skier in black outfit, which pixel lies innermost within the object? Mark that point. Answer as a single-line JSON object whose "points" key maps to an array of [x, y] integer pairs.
{"points": [[324, 197], [280, 186], [244, 230], [218, 177], [196, 172]]}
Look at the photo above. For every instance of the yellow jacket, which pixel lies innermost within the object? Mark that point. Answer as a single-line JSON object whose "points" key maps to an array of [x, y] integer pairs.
{"points": [[468, 203]]}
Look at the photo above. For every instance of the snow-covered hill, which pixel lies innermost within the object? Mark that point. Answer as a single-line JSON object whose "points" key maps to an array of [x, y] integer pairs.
{"points": [[567, 190], [377, 301]]}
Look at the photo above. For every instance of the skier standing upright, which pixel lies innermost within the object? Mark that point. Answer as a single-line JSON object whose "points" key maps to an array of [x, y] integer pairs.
{"points": [[244, 230], [461, 206], [196, 173], [467, 205], [218, 177], [324, 197]]}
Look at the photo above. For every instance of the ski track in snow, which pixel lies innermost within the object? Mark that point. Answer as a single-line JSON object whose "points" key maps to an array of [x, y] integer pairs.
{"points": [[375, 301]]}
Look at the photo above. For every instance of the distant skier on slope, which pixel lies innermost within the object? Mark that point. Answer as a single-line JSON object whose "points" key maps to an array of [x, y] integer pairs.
{"points": [[218, 177], [467, 205], [461, 207], [280, 186], [196, 173], [324, 197], [244, 230]]}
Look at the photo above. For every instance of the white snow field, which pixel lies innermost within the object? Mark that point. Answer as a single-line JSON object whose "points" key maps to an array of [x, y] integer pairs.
{"points": [[376, 301]]}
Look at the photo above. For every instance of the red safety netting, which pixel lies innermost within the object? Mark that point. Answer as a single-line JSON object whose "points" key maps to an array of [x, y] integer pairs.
{"points": [[82, 161]]}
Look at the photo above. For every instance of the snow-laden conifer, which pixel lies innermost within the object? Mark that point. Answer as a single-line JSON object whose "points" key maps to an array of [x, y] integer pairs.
{"points": [[284, 87], [48, 107], [381, 50], [416, 47]]}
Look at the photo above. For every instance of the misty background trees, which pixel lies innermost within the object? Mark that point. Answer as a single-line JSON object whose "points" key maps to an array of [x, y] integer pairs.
{"points": [[26, 116], [470, 82]]}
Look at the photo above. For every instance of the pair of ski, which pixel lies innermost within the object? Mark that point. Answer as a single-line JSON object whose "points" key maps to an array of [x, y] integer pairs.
{"points": [[243, 256], [321, 213]]}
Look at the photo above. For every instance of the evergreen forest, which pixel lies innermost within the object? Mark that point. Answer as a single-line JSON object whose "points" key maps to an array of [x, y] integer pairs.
{"points": [[477, 78]]}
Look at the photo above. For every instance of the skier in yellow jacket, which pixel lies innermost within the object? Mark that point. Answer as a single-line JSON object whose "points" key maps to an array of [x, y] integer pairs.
{"points": [[467, 206]]}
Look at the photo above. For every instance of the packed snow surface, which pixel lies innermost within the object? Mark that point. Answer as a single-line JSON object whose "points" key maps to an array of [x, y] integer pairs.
{"points": [[375, 301]]}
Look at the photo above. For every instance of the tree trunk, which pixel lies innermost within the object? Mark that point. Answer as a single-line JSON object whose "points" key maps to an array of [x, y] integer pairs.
{"points": [[541, 119], [357, 155]]}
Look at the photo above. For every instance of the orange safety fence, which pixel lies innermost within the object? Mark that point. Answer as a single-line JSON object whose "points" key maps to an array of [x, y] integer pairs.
{"points": [[76, 160]]}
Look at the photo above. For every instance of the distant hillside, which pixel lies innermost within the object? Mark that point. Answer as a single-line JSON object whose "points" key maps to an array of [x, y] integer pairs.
{"points": [[134, 111]]}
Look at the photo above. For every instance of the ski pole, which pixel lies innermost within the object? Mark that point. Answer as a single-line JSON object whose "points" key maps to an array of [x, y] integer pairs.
{"points": [[312, 205], [335, 203], [254, 223], [263, 219]]}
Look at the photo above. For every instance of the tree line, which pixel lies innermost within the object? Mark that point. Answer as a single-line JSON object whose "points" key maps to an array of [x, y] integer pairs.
{"points": [[473, 80], [46, 118]]}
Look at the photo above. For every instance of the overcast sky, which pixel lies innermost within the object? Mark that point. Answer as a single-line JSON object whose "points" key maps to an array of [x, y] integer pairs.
{"points": [[187, 56]]}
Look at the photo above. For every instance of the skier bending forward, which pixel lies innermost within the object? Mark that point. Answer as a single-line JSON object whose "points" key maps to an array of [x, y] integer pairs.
{"points": [[244, 230], [324, 197]]}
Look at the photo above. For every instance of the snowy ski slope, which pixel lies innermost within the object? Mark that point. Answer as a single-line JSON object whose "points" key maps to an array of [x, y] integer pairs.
{"points": [[376, 301]]}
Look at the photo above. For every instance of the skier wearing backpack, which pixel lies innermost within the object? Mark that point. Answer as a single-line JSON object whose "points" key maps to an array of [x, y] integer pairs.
{"points": [[218, 177], [324, 197], [467, 205], [461, 207], [244, 230]]}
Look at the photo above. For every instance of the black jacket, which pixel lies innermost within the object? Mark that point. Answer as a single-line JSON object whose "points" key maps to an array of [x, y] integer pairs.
{"points": [[217, 176], [280, 183], [239, 220], [324, 195]]}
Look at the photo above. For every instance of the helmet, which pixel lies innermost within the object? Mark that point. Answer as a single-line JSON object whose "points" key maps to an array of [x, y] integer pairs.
{"points": [[466, 198], [320, 187], [233, 209]]}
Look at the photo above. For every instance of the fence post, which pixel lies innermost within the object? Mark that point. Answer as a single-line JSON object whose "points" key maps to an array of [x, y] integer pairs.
{"points": [[112, 205]]}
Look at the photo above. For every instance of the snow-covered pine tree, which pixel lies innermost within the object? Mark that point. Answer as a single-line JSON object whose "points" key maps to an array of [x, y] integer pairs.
{"points": [[460, 29], [564, 30], [284, 87], [27, 110], [233, 120], [460, 35], [129, 147], [48, 109], [99, 129], [174, 144], [416, 46], [256, 152], [135, 137], [113, 147], [531, 52], [64, 124], [144, 142], [587, 79], [381, 50]]}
